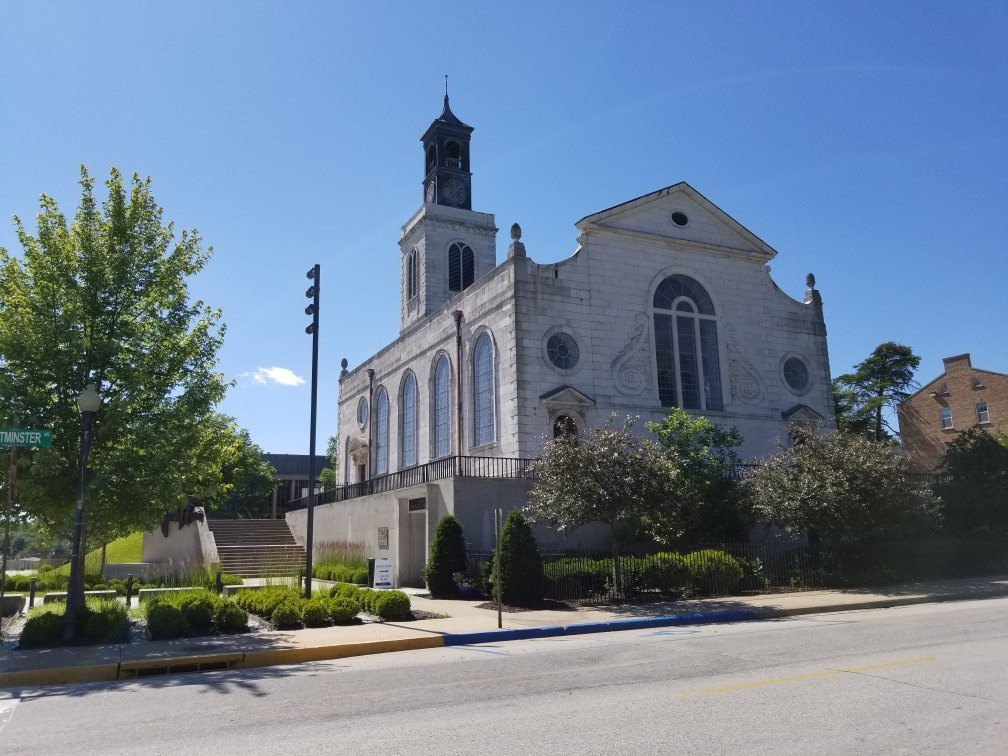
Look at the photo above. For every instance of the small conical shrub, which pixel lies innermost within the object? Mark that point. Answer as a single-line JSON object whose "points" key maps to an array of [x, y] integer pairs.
{"points": [[521, 570], [447, 556]]}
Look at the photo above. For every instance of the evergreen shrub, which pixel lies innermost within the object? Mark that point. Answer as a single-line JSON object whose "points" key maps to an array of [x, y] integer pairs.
{"points": [[230, 618], [316, 611], [105, 621], [342, 611], [43, 626], [521, 569], [391, 605], [713, 571], [165, 621], [287, 614], [447, 556]]}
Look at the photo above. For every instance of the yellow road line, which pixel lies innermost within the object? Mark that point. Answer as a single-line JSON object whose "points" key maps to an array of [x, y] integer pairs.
{"points": [[807, 676]]}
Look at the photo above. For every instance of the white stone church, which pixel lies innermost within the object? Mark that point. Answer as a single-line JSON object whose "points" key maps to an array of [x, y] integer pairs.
{"points": [[666, 302]]}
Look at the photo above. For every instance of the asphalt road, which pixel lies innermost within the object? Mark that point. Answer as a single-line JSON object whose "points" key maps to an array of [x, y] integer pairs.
{"points": [[928, 678]]}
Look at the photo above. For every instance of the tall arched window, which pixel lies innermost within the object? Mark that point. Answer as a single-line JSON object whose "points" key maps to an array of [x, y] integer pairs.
{"points": [[411, 275], [483, 390], [460, 267], [381, 432], [407, 435], [442, 407], [686, 346]]}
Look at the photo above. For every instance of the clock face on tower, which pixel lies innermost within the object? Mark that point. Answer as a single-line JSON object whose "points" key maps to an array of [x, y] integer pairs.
{"points": [[454, 192]]}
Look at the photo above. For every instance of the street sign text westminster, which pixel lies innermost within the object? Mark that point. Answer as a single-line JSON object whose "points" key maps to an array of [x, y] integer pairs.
{"points": [[25, 437]]}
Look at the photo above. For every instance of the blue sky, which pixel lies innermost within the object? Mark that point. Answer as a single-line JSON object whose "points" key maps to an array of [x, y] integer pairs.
{"points": [[866, 142]]}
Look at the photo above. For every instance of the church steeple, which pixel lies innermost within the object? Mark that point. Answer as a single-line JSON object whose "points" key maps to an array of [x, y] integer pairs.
{"points": [[447, 177]]}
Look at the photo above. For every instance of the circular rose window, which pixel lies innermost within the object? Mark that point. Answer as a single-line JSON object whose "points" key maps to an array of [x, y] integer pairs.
{"points": [[562, 350], [796, 374], [362, 412]]}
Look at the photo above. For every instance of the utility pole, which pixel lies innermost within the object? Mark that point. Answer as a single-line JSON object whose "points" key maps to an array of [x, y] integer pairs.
{"points": [[313, 309]]}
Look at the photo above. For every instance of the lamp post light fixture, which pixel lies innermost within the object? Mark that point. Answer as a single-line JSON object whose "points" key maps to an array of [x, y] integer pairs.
{"points": [[314, 274], [88, 403]]}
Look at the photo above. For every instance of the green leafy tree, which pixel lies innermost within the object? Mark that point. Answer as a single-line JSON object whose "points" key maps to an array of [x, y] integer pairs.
{"points": [[521, 569], [609, 475], [883, 380], [975, 498], [328, 478], [847, 410], [246, 477], [705, 454], [839, 485], [105, 298], [447, 557]]}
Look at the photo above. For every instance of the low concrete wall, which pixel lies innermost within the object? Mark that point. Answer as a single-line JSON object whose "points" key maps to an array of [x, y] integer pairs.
{"points": [[122, 570], [192, 544], [12, 604]]}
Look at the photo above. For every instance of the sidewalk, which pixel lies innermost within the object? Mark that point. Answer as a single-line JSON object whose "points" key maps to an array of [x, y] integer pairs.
{"points": [[465, 624]]}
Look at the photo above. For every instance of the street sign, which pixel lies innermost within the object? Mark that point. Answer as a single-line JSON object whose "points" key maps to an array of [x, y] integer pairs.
{"points": [[25, 437]]}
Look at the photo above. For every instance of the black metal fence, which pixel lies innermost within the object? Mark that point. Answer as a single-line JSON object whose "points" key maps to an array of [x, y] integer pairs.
{"points": [[745, 568], [439, 469]]}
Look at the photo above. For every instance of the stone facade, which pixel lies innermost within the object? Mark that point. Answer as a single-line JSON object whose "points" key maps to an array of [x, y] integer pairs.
{"points": [[959, 398], [666, 300]]}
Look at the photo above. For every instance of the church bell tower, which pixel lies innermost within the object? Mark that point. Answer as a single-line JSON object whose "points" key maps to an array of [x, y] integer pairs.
{"points": [[445, 246]]}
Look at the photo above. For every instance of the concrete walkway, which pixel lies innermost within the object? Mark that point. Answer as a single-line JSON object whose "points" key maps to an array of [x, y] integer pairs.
{"points": [[465, 623]]}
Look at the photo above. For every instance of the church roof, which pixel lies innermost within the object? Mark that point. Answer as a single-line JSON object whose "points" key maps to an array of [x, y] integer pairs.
{"points": [[448, 120], [607, 216]]}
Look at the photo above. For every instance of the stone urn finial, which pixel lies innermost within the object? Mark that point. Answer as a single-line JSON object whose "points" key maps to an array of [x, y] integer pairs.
{"points": [[810, 281], [515, 231], [516, 248], [812, 296]]}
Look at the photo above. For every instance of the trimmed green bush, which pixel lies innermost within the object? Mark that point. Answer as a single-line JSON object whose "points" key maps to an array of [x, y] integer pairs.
{"points": [[287, 614], [667, 572], [447, 556], [43, 626], [342, 611], [197, 607], [364, 596], [391, 605], [230, 618], [521, 569], [315, 612], [713, 572], [106, 621], [165, 621], [341, 573], [263, 601], [346, 591]]}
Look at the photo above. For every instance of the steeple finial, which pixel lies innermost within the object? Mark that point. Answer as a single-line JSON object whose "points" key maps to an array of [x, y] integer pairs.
{"points": [[446, 85]]}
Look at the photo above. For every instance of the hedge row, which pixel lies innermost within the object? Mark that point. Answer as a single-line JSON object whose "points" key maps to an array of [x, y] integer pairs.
{"points": [[195, 612], [702, 573], [102, 621], [54, 581], [340, 573], [288, 609]]}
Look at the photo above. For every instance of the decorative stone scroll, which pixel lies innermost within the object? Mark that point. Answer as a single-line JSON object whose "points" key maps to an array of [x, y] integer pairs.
{"points": [[632, 366], [743, 377]]}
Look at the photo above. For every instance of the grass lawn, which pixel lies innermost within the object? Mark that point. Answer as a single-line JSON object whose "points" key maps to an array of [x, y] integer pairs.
{"points": [[127, 549]]}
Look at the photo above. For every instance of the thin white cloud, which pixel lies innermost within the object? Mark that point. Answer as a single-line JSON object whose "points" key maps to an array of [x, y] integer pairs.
{"points": [[278, 376]]}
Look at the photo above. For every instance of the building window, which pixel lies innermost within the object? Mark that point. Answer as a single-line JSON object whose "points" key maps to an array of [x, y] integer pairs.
{"points": [[460, 267], [562, 350], [796, 375], [983, 416], [411, 275], [483, 390], [408, 439], [381, 432], [453, 155], [442, 408], [362, 411], [945, 415], [564, 426], [686, 346]]}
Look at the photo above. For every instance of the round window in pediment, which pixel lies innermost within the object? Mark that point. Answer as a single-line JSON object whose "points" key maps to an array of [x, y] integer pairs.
{"points": [[796, 375], [362, 412]]}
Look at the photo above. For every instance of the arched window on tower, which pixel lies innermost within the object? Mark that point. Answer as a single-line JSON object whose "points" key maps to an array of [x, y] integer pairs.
{"points": [[408, 437], [453, 155], [442, 407], [381, 432], [686, 346], [411, 275], [460, 267], [431, 159], [483, 390]]}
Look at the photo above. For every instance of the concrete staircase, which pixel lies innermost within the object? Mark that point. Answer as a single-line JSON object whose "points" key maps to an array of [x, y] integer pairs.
{"points": [[257, 548]]}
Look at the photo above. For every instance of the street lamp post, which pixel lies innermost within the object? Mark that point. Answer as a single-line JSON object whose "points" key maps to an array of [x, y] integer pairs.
{"points": [[88, 403], [314, 274]]}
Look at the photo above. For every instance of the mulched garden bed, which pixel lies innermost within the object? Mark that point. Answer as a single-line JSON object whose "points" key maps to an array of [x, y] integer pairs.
{"points": [[545, 604]]}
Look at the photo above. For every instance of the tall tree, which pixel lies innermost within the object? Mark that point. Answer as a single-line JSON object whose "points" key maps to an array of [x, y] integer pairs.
{"points": [[245, 477], [883, 379], [105, 298], [609, 475]]}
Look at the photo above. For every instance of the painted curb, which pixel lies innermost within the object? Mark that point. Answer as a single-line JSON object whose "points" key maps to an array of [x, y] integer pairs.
{"points": [[582, 628]]}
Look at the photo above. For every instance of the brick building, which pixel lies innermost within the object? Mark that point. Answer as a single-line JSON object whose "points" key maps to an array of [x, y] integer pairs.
{"points": [[666, 301], [959, 398]]}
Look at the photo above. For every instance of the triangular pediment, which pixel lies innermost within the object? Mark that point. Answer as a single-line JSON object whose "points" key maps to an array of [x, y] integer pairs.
{"points": [[566, 396], [679, 212], [803, 414]]}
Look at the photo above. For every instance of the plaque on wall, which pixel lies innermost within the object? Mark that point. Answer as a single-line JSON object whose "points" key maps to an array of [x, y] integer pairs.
{"points": [[383, 538]]}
